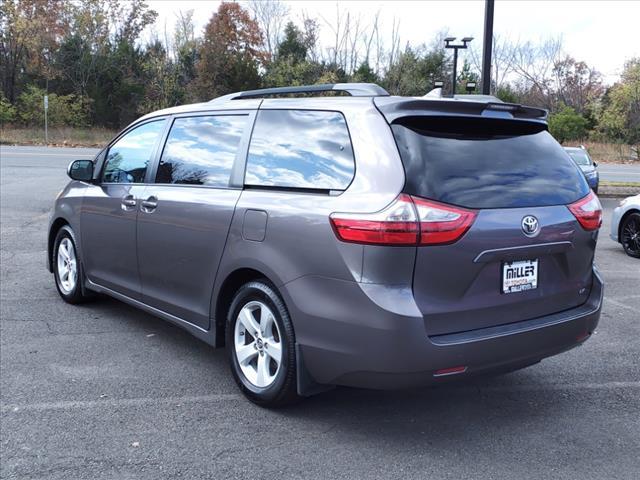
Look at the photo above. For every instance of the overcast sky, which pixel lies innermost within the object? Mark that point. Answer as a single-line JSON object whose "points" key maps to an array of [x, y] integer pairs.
{"points": [[602, 33]]}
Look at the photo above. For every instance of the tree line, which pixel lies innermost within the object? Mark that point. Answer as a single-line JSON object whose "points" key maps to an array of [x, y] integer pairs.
{"points": [[99, 68]]}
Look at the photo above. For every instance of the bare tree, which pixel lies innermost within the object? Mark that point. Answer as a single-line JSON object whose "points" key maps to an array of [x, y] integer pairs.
{"points": [[271, 16], [370, 37], [576, 84], [503, 55], [184, 33], [535, 62], [394, 50], [310, 35]]}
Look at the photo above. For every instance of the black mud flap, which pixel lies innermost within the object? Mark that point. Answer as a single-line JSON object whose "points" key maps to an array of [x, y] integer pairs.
{"points": [[306, 385]]}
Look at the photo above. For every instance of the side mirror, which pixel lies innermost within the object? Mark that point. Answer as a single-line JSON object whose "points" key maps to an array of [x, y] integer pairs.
{"points": [[595, 164], [81, 170]]}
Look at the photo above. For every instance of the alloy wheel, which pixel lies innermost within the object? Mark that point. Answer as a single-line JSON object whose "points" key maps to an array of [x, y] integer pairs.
{"points": [[67, 266], [258, 344], [631, 235]]}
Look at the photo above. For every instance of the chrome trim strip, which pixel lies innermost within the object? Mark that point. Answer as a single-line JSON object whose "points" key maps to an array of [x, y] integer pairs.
{"points": [[536, 248]]}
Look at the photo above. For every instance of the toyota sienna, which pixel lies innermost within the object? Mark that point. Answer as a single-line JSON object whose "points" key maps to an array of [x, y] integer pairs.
{"points": [[347, 238]]}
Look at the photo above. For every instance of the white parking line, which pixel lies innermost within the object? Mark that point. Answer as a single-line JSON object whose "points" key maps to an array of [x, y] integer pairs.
{"points": [[223, 397], [118, 402], [619, 304], [618, 172], [70, 154]]}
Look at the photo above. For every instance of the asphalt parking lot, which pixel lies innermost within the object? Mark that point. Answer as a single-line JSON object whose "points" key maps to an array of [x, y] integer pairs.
{"points": [[104, 391]]}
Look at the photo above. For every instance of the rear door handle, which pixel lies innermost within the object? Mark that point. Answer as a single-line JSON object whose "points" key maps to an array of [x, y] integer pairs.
{"points": [[149, 205], [128, 202]]}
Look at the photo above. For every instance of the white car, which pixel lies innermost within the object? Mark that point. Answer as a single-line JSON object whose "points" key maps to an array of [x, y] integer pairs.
{"points": [[625, 225]]}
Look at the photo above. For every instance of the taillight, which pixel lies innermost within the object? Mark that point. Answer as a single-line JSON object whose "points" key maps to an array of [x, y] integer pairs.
{"points": [[407, 221], [588, 212], [440, 223], [395, 225]]}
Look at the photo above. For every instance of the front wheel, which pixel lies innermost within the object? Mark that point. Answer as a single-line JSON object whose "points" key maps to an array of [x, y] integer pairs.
{"points": [[630, 235], [261, 346], [67, 268]]}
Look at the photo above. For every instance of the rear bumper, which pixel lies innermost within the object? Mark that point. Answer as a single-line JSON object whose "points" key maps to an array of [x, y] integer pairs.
{"points": [[374, 337]]}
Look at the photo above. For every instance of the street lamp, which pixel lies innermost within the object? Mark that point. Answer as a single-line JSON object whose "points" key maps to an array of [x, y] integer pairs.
{"points": [[456, 47]]}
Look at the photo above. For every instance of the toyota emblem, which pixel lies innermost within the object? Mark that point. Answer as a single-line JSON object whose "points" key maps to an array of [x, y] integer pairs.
{"points": [[530, 226]]}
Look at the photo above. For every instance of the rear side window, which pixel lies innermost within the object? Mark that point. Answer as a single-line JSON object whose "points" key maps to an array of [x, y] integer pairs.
{"points": [[201, 150], [486, 163], [300, 149]]}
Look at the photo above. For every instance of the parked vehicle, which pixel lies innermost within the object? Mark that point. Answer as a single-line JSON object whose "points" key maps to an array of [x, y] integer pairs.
{"points": [[364, 240], [586, 164], [625, 225]]}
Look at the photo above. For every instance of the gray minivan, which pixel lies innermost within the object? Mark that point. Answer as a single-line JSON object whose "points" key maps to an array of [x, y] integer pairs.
{"points": [[358, 239]]}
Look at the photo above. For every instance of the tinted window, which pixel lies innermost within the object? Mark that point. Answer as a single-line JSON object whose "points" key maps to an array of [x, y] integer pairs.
{"points": [[484, 163], [129, 157], [201, 150], [300, 149]]}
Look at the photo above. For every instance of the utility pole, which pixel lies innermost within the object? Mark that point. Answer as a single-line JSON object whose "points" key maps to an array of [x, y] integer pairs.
{"points": [[46, 111], [487, 44], [46, 130], [463, 45]]}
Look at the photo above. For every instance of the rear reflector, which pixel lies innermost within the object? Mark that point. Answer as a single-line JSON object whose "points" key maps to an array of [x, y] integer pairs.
{"points": [[582, 337], [449, 371], [588, 212], [407, 221]]}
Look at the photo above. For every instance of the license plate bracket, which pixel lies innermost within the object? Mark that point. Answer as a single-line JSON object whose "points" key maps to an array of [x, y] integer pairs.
{"points": [[519, 276]]}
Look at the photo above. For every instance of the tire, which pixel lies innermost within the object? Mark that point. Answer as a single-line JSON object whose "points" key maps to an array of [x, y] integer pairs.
{"points": [[630, 235], [258, 327], [65, 254]]}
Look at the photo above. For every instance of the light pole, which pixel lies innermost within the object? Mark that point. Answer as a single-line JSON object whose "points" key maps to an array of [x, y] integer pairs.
{"points": [[456, 47], [487, 44]]}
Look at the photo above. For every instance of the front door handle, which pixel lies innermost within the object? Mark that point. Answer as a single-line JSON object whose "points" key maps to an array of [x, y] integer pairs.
{"points": [[149, 205], [128, 202]]}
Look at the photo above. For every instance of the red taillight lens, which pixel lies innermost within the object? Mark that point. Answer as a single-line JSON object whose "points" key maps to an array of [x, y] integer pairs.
{"points": [[440, 223], [395, 225], [588, 212], [407, 221]]}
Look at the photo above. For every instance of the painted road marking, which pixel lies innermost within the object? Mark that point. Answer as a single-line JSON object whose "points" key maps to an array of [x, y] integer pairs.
{"points": [[225, 397], [9, 154]]}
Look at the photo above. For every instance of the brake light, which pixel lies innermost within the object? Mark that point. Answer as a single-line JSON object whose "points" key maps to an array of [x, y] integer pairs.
{"points": [[440, 223], [588, 212], [395, 225], [407, 221]]}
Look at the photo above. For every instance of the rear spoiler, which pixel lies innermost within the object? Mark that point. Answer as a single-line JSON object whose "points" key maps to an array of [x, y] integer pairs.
{"points": [[396, 107]]}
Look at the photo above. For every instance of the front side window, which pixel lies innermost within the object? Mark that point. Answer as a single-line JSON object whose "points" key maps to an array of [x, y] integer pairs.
{"points": [[129, 157], [300, 149], [201, 150]]}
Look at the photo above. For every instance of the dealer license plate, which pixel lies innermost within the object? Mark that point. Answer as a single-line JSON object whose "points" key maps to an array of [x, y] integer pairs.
{"points": [[519, 276]]}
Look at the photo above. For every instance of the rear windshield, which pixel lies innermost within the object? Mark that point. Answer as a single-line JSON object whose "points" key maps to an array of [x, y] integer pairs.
{"points": [[486, 163], [581, 158]]}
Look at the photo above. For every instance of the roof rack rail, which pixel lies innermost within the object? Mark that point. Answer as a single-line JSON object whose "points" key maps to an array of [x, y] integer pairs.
{"points": [[353, 89]]}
